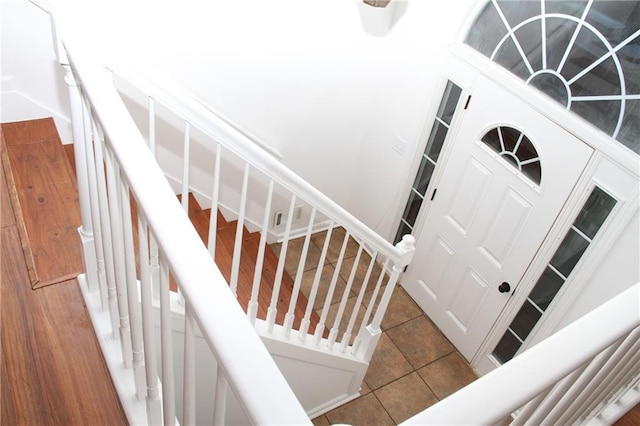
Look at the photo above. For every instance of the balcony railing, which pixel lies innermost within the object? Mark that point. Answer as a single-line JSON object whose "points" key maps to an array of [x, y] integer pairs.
{"points": [[138, 243]]}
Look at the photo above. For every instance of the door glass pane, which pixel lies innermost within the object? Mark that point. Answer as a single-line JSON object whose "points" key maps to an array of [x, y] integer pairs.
{"points": [[413, 207], [487, 31], [524, 11], [559, 31], [602, 80], [403, 230], [628, 132], [530, 39], [510, 137], [569, 252], [424, 175], [452, 94], [567, 7], [525, 320], [615, 19], [509, 57], [546, 288], [587, 49], [594, 213], [603, 114], [438, 135], [533, 171], [507, 347]]}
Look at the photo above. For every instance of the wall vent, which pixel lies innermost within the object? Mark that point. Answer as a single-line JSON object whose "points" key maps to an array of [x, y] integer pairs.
{"points": [[280, 217]]}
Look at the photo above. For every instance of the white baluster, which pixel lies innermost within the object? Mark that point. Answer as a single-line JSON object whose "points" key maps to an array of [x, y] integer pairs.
{"points": [[289, 317], [407, 245], [332, 288], [335, 329], [616, 375], [590, 391], [252, 309], [220, 398], [213, 220], [95, 211], [362, 333], [306, 321], [152, 126], [154, 405], [80, 127], [580, 383], [189, 382], [273, 306], [185, 167], [105, 222], [155, 267], [168, 379], [132, 292], [555, 397], [237, 246], [348, 332], [115, 210]]}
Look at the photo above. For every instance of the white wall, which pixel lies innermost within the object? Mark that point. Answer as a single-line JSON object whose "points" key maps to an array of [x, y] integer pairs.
{"points": [[32, 80], [307, 79]]}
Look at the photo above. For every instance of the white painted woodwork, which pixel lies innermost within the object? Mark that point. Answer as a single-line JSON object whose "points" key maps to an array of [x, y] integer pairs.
{"points": [[510, 387], [488, 220]]}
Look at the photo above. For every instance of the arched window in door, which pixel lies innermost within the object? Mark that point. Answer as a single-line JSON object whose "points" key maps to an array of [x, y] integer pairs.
{"points": [[584, 54], [516, 149]]}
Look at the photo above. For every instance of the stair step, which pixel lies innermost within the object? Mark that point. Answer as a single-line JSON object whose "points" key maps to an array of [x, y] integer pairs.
{"points": [[225, 242]]}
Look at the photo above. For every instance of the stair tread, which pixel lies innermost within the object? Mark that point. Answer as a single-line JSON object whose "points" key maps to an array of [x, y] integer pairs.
{"points": [[225, 243]]}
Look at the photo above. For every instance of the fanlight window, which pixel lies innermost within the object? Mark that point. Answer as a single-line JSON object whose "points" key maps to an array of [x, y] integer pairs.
{"points": [[585, 54], [514, 147]]}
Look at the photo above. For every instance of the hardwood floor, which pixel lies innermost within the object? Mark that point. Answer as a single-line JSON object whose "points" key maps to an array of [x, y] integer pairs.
{"points": [[52, 370], [45, 187]]}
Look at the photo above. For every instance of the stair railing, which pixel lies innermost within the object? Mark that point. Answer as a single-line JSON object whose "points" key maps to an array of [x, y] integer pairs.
{"points": [[586, 373], [123, 185], [338, 307]]}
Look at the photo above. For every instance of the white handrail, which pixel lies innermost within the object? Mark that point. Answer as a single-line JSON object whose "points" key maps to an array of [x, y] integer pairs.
{"points": [[249, 369], [493, 397], [176, 99]]}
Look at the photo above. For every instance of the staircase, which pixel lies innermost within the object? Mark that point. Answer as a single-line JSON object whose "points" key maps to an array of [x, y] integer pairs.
{"points": [[224, 320], [225, 242]]}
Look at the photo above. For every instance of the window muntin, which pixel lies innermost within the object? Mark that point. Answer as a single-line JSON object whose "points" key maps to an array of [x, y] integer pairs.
{"points": [[585, 55]]}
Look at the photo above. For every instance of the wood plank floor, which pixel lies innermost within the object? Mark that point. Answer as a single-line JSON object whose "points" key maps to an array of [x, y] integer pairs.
{"points": [[52, 369], [45, 188]]}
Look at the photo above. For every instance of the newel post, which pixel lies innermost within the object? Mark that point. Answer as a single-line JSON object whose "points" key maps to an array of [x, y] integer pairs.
{"points": [[79, 140], [372, 332]]}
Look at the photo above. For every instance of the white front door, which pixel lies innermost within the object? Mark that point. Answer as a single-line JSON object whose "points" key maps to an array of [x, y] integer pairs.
{"points": [[488, 218]]}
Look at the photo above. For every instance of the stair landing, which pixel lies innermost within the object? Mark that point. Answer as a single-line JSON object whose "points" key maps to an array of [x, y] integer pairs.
{"points": [[52, 370]]}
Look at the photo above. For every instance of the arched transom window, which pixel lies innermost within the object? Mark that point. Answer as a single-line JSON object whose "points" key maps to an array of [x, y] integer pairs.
{"points": [[585, 54]]}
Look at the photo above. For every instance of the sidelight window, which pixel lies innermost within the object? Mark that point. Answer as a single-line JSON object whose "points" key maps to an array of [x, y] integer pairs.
{"points": [[429, 159], [590, 219]]}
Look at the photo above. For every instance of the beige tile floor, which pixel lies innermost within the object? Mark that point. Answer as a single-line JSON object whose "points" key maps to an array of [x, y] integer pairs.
{"points": [[414, 365]]}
